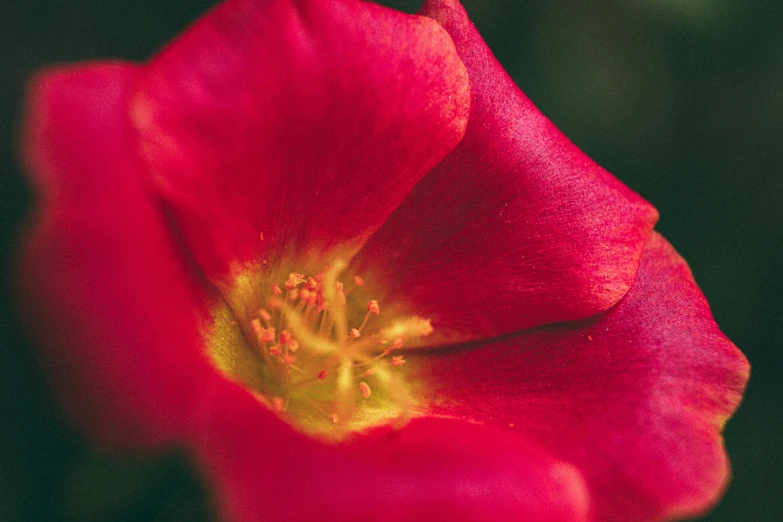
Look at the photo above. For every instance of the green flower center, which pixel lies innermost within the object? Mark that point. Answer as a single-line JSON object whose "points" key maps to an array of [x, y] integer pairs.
{"points": [[312, 350]]}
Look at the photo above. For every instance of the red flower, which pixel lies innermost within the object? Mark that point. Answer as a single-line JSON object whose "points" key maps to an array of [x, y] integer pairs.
{"points": [[177, 196]]}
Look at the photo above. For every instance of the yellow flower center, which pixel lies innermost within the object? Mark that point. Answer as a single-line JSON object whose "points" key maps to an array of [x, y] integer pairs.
{"points": [[311, 348]]}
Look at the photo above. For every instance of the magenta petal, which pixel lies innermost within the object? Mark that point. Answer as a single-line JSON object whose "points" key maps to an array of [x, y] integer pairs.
{"points": [[516, 227], [104, 290], [432, 469], [307, 122], [246, 127], [635, 398]]}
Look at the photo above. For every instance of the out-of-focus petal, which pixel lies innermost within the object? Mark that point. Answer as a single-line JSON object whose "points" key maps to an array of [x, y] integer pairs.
{"points": [[104, 290], [307, 122], [516, 227], [432, 469], [635, 398]]}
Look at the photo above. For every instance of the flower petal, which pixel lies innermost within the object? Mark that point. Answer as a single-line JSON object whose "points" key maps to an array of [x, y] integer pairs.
{"points": [[307, 122], [635, 398], [432, 469], [516, 227], [104, 291]]}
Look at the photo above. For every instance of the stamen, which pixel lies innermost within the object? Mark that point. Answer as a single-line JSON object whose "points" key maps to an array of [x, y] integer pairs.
{"points": [[317, 359], [372, 308], [396, 345]]}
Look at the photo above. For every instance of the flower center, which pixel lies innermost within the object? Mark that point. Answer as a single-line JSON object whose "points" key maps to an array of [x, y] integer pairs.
{"points": [[312, 349]]}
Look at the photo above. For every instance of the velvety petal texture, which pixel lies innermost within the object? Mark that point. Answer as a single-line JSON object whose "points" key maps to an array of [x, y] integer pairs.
{"points": [[307, 122], [103, 286], [516, 227], [279, 128], [635, 398], [433, 469]]}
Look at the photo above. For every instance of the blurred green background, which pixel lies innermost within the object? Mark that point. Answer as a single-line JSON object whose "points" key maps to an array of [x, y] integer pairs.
{"points": [[681, 99]]}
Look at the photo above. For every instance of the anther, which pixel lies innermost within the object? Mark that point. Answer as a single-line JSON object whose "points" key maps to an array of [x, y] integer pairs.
{"points": [[255, 324], [333, 417], [373, 307], [285, 337], [365, 389], [264, 315], [397, 360], [277, 290], [396, 345], [294, 280], [355, 334], [293, 346], [265, 335], [322, 375], [275, 351], [358, 280]]}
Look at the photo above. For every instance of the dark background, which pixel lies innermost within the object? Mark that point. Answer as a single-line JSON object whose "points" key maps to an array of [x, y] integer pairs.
{"points": [[681, 99]]}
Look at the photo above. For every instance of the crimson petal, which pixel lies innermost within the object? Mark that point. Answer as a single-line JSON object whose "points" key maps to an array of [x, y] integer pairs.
{"points": [[433, 469], [103, 287], [516, 227], [307, 122], [635, 398]]}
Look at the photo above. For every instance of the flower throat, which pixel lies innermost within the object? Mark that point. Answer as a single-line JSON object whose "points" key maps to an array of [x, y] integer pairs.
{"points": [[298, 352]]}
